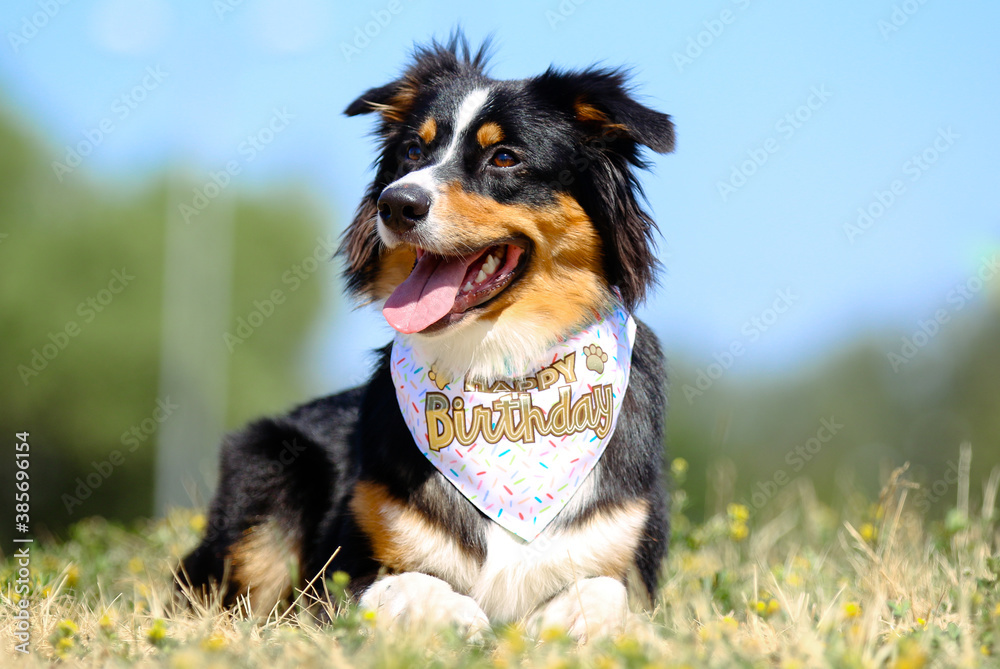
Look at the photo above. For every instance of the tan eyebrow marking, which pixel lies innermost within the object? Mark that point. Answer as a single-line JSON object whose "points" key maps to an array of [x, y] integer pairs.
{"points": [[428, 130], [489, 133]]}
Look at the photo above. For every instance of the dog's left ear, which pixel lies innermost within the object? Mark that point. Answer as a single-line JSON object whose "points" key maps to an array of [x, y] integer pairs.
{"points": [[601, 101]]}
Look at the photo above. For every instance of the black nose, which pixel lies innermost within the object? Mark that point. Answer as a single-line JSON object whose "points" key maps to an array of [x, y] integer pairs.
{"points": [[402, 207]]}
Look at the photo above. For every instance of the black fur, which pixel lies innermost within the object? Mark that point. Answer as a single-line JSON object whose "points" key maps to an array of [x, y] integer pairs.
{"points": [[300, 469]]}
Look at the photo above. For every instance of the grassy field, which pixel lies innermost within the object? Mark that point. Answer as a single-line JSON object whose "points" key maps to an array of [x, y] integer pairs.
{"points": [[798, 585]]}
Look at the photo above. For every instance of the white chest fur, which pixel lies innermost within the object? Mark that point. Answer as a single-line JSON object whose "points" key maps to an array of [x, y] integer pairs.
{"points": [[516, 575]]}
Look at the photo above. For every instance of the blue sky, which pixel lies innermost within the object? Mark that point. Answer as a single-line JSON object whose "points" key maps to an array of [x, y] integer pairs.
{"points": [[845, 101]]}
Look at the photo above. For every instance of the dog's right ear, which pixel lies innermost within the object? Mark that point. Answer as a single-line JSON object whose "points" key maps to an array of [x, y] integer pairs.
{"points": [[394, 100]]}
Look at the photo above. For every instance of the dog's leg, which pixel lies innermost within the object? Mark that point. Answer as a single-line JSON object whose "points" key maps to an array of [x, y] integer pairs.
{"points": [[414, 600], [275, 486], [587, 609]]}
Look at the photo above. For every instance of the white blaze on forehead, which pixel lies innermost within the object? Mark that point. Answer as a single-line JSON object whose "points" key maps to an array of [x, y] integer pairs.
{"points": [[467, 112]]}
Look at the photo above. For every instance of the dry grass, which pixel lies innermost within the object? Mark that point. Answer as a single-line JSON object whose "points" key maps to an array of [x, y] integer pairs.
{"points": [[876, 586]]}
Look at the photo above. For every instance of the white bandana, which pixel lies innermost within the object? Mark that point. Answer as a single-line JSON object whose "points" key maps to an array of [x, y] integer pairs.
{"points": [[520, 449]]}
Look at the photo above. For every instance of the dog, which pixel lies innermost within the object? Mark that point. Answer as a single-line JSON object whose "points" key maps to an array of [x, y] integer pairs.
{"points": [[503, 223]]}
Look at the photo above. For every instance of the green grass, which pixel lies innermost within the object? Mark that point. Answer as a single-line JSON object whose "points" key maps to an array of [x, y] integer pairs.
{"points": [[799, 585]]}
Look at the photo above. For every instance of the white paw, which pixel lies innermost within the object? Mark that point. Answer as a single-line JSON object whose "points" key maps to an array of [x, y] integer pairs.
{"points": [[587, 609], [414, 600]]}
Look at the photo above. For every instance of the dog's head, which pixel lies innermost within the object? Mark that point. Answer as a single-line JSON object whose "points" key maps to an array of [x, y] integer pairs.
{"points": [[503, 213]]}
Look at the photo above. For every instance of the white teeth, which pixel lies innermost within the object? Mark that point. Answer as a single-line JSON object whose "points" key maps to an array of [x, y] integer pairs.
{"points": [[468, 286], [481, 276], [491, 264]]}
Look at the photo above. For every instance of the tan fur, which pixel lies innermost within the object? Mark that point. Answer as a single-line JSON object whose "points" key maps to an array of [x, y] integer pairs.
{"points": [[394, 266], [588, 113], [428, 130], [561, 288], [404, 540], [564, 281], [489, 133], [263, 562]]}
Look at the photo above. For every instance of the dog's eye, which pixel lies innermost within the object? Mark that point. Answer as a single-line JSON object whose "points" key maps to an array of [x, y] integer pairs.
{"points": [[414, 152], [504, 159]]}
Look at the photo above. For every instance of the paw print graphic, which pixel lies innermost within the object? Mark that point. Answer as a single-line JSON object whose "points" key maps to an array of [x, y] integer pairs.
{"points": [[595, 358], [435, 375]]}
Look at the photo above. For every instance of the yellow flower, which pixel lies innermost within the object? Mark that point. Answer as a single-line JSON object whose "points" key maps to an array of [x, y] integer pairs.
{"points": [[996, 611], [157, 632], [106, 623], [135, 565], [852, 610], [552, 634], [679, 467], [738, 513], [513, 640], [213, 643], [767, 606], [72, 576], [63, 646], [67, 628], [738, 531], [197, 522], [868, 532], [911, 656]]}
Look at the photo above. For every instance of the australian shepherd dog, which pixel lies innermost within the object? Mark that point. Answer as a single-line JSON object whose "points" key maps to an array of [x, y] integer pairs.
{"points": [[504, 461]]}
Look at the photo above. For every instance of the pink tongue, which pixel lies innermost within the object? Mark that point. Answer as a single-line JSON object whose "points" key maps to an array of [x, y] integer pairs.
{"points": [[427, 295]]}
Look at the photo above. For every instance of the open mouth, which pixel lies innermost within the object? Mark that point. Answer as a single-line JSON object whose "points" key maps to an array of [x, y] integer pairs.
{"points": [[441, 289]]}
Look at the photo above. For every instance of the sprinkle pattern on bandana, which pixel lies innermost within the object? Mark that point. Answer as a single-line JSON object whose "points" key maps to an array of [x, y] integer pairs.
{"points": [[519, 449]]}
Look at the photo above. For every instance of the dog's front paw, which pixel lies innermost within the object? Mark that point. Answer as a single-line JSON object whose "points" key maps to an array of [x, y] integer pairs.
{"points": [[586, 610], [414, 600]]}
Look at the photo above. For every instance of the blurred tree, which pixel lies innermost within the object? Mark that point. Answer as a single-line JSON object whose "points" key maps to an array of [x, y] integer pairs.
{"points": [[81, 319], [778, 428]]}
